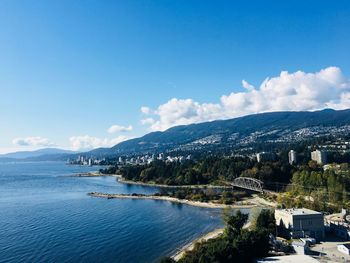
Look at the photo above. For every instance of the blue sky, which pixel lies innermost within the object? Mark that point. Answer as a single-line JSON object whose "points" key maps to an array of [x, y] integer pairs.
{"points": [[69, 70]]}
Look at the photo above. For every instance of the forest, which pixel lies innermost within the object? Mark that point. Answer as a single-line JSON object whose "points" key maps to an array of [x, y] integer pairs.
{"points": [[213, 170], [318, 189], [306, 184]]}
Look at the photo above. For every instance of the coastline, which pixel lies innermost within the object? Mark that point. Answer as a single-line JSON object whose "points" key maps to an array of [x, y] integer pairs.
{"points": [[124, 181], [172, 199], [93, 174], [120, 179], [89, 174], [254, 201], [190, 246]]}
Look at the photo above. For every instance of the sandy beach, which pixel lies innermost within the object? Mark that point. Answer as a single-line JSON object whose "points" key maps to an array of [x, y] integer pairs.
{"points": [[90, 174], [94, 174], [173, 199], [190, 246], [124, 181]]}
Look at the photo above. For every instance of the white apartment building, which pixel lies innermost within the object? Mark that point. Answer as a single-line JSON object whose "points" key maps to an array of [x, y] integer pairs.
{"points": [[292, 156], [319, 157]]}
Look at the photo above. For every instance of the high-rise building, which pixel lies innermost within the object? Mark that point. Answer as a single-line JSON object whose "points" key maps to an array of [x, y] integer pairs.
{"points": [[319, 156], [292, 156]]}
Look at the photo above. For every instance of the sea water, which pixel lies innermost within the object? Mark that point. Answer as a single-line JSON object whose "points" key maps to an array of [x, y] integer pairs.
{"points": [[47, 216]]}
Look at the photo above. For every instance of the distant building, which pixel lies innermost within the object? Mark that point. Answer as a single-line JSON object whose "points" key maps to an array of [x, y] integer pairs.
{"points": [[319, 157], [265, 157], [292, 156], [161, 157], [301, 222]]}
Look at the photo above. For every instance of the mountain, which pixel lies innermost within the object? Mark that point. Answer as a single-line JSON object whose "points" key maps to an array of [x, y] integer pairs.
{"points": [[35, 154], [273, 128]]}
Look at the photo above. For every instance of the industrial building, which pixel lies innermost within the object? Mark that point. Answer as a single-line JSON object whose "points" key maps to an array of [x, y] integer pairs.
{"points": [[301, 222]]}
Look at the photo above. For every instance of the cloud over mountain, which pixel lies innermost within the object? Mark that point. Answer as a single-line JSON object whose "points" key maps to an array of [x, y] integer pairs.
{"points": [[87, 142], [118, 128], [33, 141], [297, 91]]}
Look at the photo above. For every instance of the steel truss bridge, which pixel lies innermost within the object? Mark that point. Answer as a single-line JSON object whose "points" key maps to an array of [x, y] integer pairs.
{"points": [[249, 183]]}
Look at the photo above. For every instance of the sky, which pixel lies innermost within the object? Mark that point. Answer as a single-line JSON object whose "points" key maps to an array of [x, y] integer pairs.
{"points": [[85, 74]]}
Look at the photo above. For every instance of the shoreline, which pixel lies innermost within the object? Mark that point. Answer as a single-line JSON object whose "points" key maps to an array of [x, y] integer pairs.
{"points": [[89, 174], [249, 203], [93, 174], [190, 246], [120, 179], [124, 181], [171, 199]]}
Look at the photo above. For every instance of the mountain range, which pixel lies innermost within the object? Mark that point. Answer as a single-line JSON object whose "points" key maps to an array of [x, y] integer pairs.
{"points": [[46, 153], [273, 128], [247, 133]]}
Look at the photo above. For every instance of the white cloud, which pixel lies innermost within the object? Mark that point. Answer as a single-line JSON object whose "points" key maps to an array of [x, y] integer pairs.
{"points": [[148, 121], [33, 141], [297, 91], [87, 142], [118, 128], [146, 110], [119, 139], [247, 85]]}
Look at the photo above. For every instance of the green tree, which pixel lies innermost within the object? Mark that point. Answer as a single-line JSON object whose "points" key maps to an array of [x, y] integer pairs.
{"points": [[266, 220], [234, 223]]}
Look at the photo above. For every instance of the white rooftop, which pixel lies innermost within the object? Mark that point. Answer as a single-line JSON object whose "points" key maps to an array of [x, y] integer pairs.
{"points": [[289, 259], [300, 211]]}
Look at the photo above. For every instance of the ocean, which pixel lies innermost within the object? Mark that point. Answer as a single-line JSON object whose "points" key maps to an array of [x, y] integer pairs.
{"points": [[47, 216]]}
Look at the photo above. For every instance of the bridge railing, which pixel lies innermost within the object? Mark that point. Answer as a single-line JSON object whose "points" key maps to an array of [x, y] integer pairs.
{"points": [[249, 183]]}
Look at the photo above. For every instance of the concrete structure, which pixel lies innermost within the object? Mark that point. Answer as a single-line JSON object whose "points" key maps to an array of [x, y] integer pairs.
{"points": [[289, 259], [301, 223], [292, 156], [300, 247], [338, 224], [319, 156], [344, 248], [265, 157]]}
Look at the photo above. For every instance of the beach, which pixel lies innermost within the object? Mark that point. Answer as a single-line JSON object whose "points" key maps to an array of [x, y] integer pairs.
{"points": [[190, 246], [124, 181], [174, 200]]}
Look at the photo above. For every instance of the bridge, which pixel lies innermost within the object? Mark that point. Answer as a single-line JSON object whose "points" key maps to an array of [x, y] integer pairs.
{"points": [[249, 183]]}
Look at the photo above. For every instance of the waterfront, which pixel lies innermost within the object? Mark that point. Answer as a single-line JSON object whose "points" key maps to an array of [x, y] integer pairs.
{"points": [[47, 216]]}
